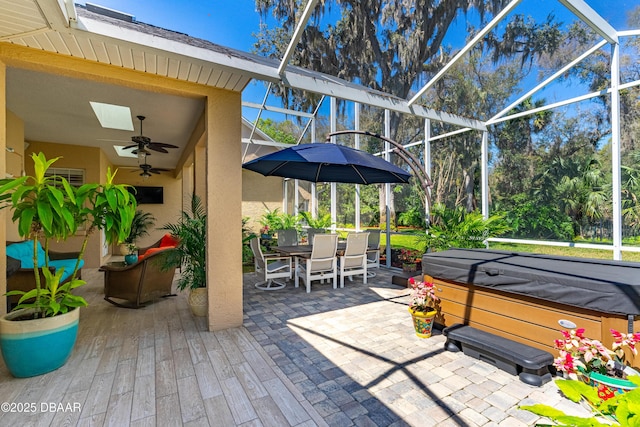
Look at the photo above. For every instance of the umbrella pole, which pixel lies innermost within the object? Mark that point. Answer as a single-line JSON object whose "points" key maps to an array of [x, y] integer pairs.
{"points": [[420, 174]]}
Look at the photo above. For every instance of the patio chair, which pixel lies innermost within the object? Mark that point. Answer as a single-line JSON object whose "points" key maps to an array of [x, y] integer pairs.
{"points": [[373, 253], [148, 279], [323, 263], [311, 232], [270, 267], [287, 237], [354, 260]]}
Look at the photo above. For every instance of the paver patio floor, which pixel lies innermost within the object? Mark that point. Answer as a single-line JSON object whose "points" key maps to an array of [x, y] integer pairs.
{"points": [[332, 357]]}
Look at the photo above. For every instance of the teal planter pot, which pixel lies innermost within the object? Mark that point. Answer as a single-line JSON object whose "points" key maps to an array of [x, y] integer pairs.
{"points": [[609, 387], [130, 259], [35, 347]]}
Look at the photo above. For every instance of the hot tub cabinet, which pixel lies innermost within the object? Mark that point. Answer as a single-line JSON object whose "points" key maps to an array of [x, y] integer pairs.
{"points": [[522, 296]]}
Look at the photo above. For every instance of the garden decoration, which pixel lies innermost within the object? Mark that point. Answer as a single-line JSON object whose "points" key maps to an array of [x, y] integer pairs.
{"points": [[423, 306]]}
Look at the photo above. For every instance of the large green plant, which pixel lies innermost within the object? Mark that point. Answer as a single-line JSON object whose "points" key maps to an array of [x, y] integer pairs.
{"points": [[621, 410], [323, 221], [247, 235], [461, 229], [275, 220], [48, 207], [191, 251], [139, 226]]}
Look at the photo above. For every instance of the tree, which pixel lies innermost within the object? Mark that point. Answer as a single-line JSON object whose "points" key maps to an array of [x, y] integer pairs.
{"points": [[279, 131], [389, 46]]}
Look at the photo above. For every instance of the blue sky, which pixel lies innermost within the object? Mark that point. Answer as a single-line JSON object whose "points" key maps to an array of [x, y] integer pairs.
{"points": [[231, 23]]}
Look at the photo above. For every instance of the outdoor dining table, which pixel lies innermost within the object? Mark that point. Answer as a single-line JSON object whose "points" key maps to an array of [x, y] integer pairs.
{"points": [[304, 251]]}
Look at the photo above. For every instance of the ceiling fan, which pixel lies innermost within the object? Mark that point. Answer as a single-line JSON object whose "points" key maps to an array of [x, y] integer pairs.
{"points": [[142, 143], [147, 170]]}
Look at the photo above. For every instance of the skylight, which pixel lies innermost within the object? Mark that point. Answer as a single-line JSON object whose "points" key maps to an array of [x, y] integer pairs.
{"points": [[113, 116]]}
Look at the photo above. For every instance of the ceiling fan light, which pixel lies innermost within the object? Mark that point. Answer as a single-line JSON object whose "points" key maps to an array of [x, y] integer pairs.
{"points": [[142, 156]]}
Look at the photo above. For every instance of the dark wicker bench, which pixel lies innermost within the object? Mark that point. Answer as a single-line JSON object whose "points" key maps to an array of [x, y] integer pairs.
{"points": [[529, 363]]}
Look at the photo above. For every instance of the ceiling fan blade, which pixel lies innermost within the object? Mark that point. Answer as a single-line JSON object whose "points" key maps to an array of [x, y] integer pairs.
{"points": [[158, 170], [163, 145], [130, 146], [158, 149], [140, 139]]}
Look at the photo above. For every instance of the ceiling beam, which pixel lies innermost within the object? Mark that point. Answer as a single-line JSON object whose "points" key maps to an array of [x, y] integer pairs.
{"points": [[350, 92], [297, 34], [277, 109], [583, 11], [197, 134]]}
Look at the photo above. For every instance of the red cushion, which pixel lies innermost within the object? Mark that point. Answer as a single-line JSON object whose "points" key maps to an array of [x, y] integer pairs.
{"points": [[151, 251], [168, 240]]}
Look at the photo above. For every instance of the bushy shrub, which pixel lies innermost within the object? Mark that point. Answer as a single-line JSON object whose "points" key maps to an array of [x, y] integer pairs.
{"points": [[414, 217], [275, 220], [457, 228], [528, 219]]}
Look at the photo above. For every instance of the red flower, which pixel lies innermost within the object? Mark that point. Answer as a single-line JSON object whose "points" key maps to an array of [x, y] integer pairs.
{"points": [[422, 295], [577, 351]]}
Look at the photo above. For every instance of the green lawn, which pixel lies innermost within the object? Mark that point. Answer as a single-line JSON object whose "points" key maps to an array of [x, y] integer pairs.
{"points": [[565, 251], [410, 241]]}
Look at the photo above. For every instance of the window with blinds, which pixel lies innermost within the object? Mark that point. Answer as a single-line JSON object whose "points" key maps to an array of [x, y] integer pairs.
{"points": [[74, 176]]}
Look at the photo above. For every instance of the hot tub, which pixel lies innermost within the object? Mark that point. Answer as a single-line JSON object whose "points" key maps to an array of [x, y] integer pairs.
{"points": [[522, 296]]}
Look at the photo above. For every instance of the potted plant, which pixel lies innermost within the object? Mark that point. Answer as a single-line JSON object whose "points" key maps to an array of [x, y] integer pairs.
{"points": [[45, 208], [191, 253], [272, 221], [597, 375], [139, 226], [423, 306], [408, 258], [589, 360]]}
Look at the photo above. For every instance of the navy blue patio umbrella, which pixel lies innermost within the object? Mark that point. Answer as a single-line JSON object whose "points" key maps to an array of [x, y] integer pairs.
{"points": [[326, 162]]}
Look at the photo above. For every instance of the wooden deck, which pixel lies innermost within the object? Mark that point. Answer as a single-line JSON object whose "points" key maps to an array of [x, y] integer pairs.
{"points": [[156, 366]]}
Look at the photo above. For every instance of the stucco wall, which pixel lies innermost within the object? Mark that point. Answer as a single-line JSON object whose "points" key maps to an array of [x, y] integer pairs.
{"points": [[259, 193], [167, 212]]}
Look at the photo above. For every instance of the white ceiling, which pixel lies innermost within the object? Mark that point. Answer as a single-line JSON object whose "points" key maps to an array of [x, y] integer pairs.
{"points": [[56, 109]]}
